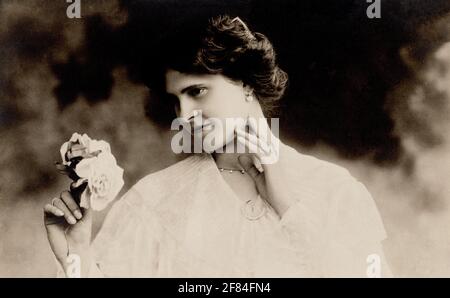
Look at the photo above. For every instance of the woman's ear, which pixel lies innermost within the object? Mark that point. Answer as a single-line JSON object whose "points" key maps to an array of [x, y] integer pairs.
{"points": [[247, 88], [248, 91]]}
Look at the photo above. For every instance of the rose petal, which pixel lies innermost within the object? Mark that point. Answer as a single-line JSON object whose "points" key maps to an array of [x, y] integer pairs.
{"points": [[105, 168], [63, 151], [85, 167], [75, 137], [85, 140], [95, 145]]}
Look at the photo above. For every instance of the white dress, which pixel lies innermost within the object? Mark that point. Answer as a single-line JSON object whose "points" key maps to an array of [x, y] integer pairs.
{"points": [[185, 221]]}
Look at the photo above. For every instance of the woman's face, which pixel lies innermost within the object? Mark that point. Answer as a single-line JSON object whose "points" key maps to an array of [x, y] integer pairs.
{"points": [[219, 100]]}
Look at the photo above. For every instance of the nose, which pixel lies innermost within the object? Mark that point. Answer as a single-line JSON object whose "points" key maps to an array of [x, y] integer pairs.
{"points": [[187, 107]]}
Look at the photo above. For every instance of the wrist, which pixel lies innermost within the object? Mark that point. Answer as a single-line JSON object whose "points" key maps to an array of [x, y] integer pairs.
{"points": [[78, 261]]}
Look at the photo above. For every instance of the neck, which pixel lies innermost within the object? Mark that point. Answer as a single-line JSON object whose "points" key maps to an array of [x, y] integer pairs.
{"points": [[227, 160]]}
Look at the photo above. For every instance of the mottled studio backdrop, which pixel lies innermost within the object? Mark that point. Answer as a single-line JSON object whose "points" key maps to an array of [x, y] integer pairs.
{"points": [[370, 94]]}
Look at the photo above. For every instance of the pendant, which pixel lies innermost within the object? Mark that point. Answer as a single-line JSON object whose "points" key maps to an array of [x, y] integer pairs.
{"points": [[254, 209]]}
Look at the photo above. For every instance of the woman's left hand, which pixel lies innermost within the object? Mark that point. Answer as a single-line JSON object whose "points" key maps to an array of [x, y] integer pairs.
{"points": [[263, 164]]}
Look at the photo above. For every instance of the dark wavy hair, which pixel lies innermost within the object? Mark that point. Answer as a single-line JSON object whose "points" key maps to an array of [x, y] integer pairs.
{"points": [[223, 45]]}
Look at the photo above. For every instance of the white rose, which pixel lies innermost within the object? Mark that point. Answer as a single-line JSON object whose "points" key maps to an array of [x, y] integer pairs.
{"points": [[95, 165], [95, 145], [104, 177], [82, 146], [65, 150]]}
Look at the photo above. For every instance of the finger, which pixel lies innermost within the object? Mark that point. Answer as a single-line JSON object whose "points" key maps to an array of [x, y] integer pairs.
{"points": [[247, 163], [267, 152], [252, 125], [67, 198], [53, 216], [254, 140], [49, 209], [257, 164], [67, 214], [256, 158], [261, 129], [250, 146], [251, 122]]}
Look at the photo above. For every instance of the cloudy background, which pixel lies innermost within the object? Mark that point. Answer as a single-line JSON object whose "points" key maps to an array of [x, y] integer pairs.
{"points": [[372, 95]]}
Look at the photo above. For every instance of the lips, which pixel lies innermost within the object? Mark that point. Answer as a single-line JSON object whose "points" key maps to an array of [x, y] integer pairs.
{"points": [[206, 126]]}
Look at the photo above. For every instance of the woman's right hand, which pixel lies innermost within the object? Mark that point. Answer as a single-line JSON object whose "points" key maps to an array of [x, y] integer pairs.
{"points": [[68, 226]]}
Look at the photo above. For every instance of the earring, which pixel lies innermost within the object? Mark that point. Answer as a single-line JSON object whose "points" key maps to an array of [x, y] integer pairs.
{"points": [[249, 97]]}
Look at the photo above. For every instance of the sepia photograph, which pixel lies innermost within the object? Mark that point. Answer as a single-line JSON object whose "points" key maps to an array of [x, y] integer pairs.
{"points": [[224, 139]]}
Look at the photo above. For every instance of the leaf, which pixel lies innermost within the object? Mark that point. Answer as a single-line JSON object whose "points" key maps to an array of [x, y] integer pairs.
{"points": [[66, 170], [77, 191], [61, 167]]}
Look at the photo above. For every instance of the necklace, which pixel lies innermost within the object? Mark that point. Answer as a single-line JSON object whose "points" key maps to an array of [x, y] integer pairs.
{"points": [[232, 170]]}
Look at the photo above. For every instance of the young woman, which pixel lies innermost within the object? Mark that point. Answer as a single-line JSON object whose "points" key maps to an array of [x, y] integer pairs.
{"points": [[228, 214]]}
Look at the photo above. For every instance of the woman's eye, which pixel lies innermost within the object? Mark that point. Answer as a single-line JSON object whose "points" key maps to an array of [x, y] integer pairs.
{"points": [[197, 92]]}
